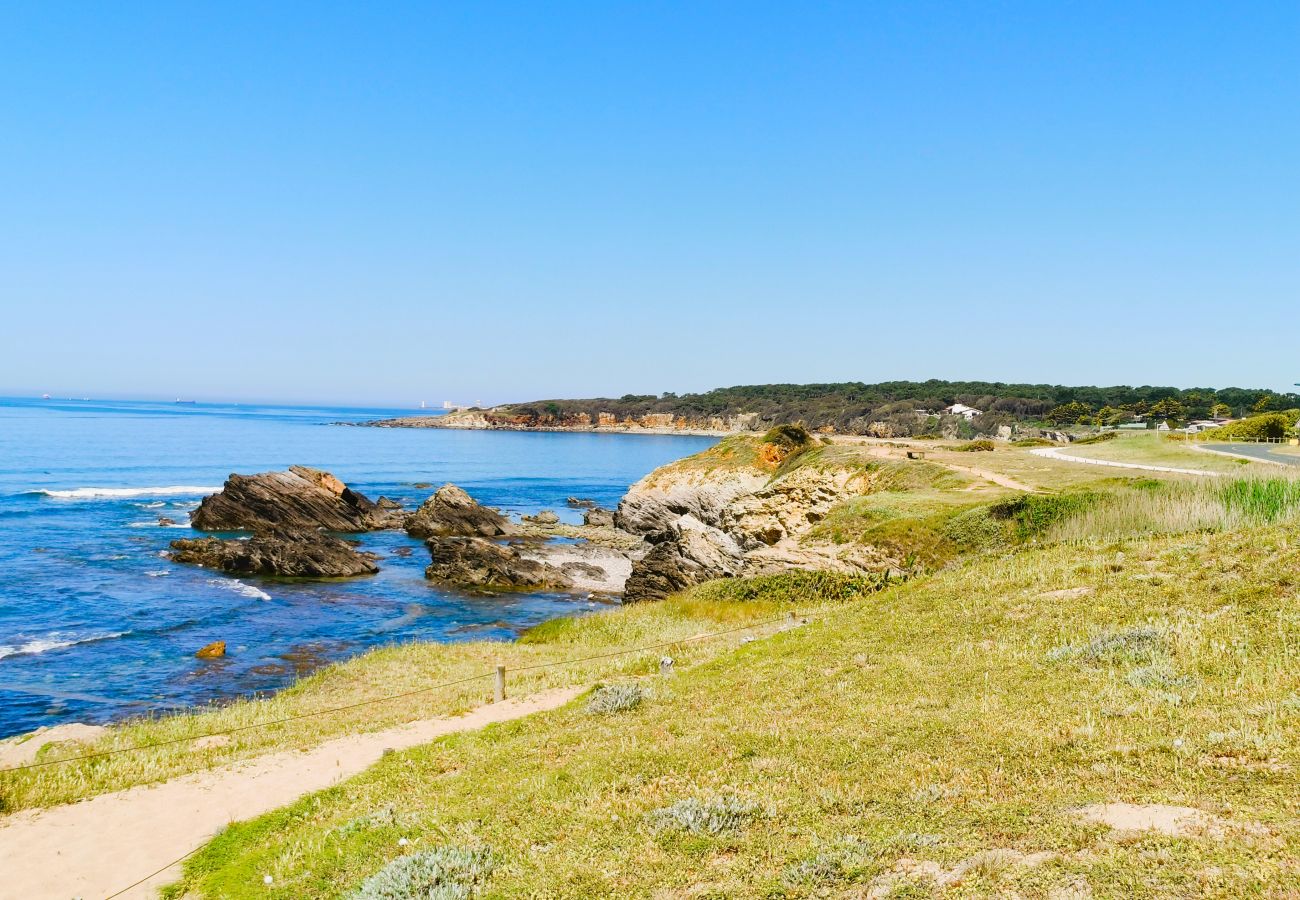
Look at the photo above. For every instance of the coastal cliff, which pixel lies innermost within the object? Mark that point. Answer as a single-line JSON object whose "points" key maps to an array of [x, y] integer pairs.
{"points": [[507, 418]]}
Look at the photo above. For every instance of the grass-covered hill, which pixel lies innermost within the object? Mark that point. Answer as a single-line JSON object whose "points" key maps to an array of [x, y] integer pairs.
{"points": [[853, 407], [1080, 653]]}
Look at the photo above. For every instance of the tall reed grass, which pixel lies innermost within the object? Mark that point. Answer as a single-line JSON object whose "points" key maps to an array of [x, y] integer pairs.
{"points": [[1180, 507]]}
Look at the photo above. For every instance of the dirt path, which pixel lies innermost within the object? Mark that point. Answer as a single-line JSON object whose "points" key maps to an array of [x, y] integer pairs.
{"points": [[1053, 453], [1005, 480], [101, 845]]}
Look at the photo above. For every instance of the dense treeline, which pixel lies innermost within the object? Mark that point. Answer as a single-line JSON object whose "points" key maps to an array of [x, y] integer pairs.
{"points": [[915, 407]]}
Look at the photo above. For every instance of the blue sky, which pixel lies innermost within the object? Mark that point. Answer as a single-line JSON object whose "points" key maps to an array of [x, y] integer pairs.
{"points": [[383, 203]]}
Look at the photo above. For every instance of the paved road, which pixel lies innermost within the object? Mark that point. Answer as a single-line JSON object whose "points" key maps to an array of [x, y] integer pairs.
{"points": [[1053, 453], [1266, 452]]}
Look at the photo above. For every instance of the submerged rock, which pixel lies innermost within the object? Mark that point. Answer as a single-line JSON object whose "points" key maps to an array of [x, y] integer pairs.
{"points": [[479, 563], [580, 503], [283, 551], [686, 553], [451, 511], [298, 498]]}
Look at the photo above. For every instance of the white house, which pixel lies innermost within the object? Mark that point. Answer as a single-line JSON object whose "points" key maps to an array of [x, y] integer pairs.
{"points": [[961, 409]]}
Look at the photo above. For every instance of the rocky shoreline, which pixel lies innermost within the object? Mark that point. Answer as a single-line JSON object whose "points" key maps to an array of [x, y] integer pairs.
{"points": [[470, 423]]}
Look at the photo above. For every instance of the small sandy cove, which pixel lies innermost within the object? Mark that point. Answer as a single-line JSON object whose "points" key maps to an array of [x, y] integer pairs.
{"points": [[99, 846]]}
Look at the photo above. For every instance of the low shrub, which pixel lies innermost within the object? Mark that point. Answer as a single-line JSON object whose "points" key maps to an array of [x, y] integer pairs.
{"points": [[1097, 438], [1033, 514], [1033, 442], [796, 586], [617, 698], [1140, 643], [789, 437], [983, 445], [717, 815], [1269, 426], [976, 529], [443, 873]]}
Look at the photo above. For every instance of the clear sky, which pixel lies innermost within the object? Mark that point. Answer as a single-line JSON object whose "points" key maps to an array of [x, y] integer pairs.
{"points": [[384, 203]]}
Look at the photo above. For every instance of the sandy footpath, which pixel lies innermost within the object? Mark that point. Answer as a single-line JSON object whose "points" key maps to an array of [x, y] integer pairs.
{"points": [[98, 846]]}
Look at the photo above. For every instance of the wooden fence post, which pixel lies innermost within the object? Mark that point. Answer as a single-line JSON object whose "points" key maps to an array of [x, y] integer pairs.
{"points": [[501, 683]]}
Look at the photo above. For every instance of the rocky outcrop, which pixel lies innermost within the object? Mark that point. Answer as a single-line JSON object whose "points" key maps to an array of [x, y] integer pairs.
{"points": [[686, 553], [475, 562], [293, 552], [298, 498], [215, 650], [590, 567], [545, 517], [598, 518], [665, 495], [788, 506], [451, 512]]}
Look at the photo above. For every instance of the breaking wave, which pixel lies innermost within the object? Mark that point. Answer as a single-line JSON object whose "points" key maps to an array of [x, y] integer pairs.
{"points": [[53, 641], [244, 590], [107, 493]]}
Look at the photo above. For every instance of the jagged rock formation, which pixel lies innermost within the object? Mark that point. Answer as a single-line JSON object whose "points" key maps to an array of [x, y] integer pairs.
{"points": [[476, 562], [451, 511], [788, 506], [665, 495], [294, 552], [298, 498], [686, 553]]}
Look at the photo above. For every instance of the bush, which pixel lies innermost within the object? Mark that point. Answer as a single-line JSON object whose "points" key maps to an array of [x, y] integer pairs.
{"points": [[1033, 442], [1033, 514], [1098, 438], [980, 446], [975, 529], [443, 873], [790, 438], [1270, 426], [795, 586], [616, 698], [715, 816]]}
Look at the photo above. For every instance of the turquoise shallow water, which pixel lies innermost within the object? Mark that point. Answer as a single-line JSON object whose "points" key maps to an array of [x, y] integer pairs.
{"points": [[95, 625]]}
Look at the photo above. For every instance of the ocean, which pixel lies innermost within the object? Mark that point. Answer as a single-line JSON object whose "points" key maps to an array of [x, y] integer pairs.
{"points": [[96, 625]]}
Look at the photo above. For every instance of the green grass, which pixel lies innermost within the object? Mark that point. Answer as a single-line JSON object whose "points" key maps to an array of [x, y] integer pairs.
{"points": [[400, 669], [950, 721], [1155, 450]]}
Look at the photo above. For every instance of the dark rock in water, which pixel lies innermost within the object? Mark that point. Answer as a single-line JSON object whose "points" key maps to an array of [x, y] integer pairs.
{"points": [[422, 485], [478, 562], [164, 521], [545, 517], [215, 650], [580, 503], [451, 511], [401, 552], [686, 553], [291, 552], [598, 518], [298, 498]]}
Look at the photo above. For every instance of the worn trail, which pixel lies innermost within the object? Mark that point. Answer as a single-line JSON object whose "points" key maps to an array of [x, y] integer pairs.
{"points": [[98, 846]]}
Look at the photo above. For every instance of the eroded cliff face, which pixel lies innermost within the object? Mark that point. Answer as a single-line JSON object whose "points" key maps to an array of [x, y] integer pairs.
{"points": [[745, 495]]}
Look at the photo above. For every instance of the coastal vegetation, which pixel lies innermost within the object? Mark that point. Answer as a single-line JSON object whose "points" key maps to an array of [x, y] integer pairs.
{"points": [[978, 729], [898, 408], [998, 650]]}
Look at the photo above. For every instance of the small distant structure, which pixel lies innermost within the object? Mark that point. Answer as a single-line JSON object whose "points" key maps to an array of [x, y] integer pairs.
{"points": [[452, 406], [1202, 425], [961, 409]]}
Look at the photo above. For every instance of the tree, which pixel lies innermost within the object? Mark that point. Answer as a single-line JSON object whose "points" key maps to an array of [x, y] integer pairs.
{"points": [[1220, 411], [1069, 413], [1113, 415], [1267, 403], [1168, 408]]}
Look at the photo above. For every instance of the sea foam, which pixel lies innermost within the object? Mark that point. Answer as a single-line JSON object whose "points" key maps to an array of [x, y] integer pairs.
{"points": [[53, 641], [107, 493], [234, 584]]}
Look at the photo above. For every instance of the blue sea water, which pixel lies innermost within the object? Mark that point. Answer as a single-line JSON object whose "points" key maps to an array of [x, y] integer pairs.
{"points": [[96, 625]]}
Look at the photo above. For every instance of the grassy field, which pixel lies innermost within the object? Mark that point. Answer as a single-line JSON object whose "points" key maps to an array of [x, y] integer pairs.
{"points": [[1157, 450], [944, 732]]}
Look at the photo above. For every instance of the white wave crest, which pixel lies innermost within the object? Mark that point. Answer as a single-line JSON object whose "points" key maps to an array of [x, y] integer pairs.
{"points": [[54, 641], [158, 573], [234, 584], [107, 493], [156, 524]]}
